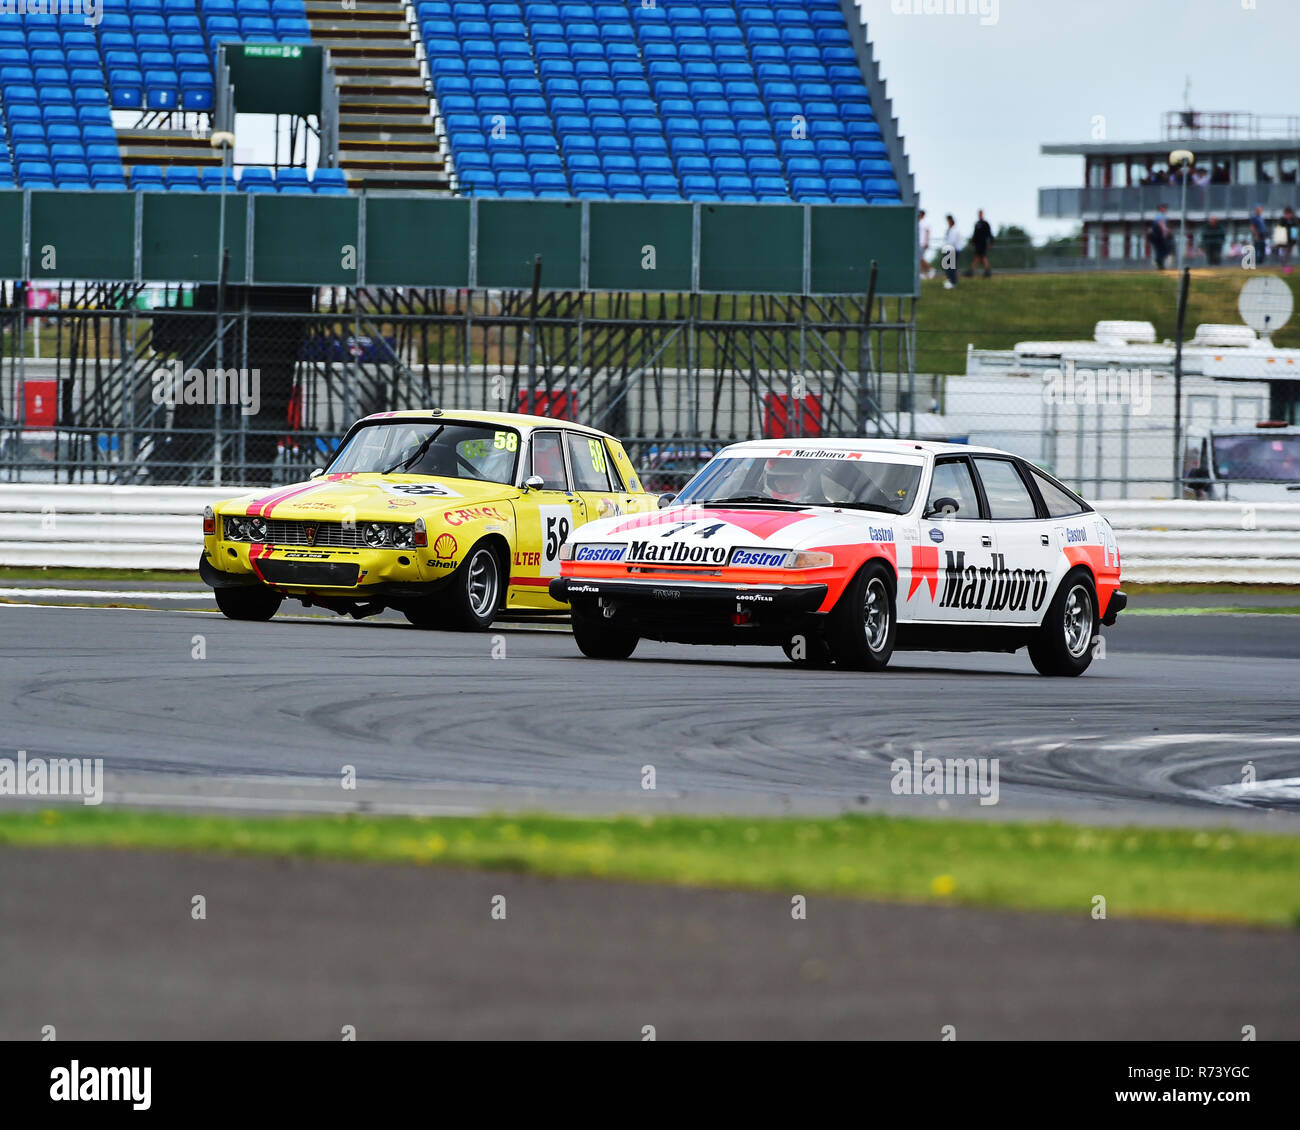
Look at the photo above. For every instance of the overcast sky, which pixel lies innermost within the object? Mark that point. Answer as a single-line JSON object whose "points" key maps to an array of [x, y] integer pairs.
{"points": [[975, 102]]}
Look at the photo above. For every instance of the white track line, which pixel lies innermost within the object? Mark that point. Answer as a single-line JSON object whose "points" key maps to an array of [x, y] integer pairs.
{"points": [[117, 594]]}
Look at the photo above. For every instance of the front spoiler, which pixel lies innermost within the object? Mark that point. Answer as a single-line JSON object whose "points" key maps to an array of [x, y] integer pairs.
{"points": [[664, 595], [384, 590]]}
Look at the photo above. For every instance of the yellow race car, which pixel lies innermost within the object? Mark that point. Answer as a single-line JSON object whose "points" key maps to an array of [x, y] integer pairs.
{"points": [[448, 517]]}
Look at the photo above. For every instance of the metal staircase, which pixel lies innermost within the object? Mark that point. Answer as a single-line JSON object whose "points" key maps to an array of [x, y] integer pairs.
{"points": [[386, 131]]}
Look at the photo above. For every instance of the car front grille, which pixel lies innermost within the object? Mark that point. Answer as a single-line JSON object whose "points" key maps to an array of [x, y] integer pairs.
{"points": [[330, 534]]}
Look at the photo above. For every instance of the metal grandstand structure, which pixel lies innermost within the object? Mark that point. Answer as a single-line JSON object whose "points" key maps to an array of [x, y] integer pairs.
{"points": [[677, 374]]}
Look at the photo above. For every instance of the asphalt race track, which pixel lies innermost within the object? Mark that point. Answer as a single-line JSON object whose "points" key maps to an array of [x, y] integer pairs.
{"points": [[102, 944], [1160, 730]]}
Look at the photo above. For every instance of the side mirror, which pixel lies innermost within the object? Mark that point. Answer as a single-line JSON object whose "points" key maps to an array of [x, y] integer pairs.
{"points": [[666, 500], [1202, 473], [534, 482], [943, 505], [317, 473]]}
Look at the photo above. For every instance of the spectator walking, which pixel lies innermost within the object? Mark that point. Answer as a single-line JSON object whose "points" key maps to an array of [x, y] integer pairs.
{"points": [[1259, 234], [1284, 235], [981, 240], [1212, 237], [923, 240], [952, 245], [1159, 236]]}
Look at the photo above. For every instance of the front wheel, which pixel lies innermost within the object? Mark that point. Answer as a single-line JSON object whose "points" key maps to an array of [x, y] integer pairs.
{"points": [[1063, 645], [862, 627], [251, 603], [470, 602], [807, 651], [598, 637]]}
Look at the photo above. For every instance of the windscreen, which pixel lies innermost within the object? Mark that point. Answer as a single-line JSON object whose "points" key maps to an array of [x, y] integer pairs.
{"points": [[853, 479], [449, 450], [1272, 458]]}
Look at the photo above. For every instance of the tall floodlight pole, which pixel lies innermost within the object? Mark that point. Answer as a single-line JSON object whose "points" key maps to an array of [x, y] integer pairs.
{"points": [[1184, 159], [224, 141]]}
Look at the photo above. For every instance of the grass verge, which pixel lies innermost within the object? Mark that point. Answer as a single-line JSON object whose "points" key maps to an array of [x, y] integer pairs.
{"points": [[1189, 874]]}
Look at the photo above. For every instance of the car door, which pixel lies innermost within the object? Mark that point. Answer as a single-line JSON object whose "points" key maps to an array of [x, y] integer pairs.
{"points": [[546, 516], [596, 478], [953, 554], [1026, 549]]}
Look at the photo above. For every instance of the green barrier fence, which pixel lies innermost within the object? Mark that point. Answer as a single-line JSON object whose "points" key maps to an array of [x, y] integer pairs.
{"points": [[452, 242]]}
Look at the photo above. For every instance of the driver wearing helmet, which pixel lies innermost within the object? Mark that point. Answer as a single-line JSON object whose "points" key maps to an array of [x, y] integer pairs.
{"points": [[786, 480]]}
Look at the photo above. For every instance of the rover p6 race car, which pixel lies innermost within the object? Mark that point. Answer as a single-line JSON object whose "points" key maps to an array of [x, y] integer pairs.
{"points": [[448, 517], [842, 550]]}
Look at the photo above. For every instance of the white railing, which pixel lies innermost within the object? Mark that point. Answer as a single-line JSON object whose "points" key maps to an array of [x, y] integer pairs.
{"points": [[159, 528]]}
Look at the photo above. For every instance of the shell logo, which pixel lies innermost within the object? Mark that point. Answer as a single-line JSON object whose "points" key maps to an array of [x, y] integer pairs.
{"points": [[444, 546]]}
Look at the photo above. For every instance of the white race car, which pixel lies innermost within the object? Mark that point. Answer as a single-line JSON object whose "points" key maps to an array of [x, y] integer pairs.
{"points": [[842, 550]]}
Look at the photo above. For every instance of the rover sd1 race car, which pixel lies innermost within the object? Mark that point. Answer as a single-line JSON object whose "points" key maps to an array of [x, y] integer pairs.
{"points": [[842, 550], [447, 517]]}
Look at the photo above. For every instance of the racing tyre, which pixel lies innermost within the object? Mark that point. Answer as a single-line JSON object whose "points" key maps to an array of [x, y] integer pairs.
{"points": [[862, 627], [600, 638], [429, 613], [251, 603], [1063, 645], [470, 602], [807, 651]]}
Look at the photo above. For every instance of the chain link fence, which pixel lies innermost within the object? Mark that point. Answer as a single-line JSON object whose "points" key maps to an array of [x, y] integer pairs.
{"points": [[1079, 374], [1074, 371], [119, 384]]}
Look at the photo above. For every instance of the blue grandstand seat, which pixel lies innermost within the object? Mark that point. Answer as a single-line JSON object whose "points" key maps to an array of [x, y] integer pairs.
{"points": [[182, 178], [147, 177], [256, 178], [329, 182], [650, 94], [286, 178]]}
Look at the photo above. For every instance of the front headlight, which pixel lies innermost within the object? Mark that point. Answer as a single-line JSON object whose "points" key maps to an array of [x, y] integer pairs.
{"points": [[256, 529], [404, 537], [811, 559], [236, 528], [375, 535]]}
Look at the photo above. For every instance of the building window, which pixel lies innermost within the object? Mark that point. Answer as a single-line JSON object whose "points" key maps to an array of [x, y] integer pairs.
{"points": [[1245, 170]]}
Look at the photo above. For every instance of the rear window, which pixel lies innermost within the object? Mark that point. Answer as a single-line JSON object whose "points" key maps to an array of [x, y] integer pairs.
{"points": [[1060, 502]]}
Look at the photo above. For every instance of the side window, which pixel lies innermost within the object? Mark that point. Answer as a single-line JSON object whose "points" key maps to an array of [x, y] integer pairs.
{"points": [[952, 479], [589, 460], [1005, 490], [548, 460], [1060, 502]]}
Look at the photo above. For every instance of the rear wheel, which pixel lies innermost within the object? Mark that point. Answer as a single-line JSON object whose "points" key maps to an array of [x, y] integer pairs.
{"points": [[599, 637], [862, 627], [470, 601], [252, 603], [1063, 645]]}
